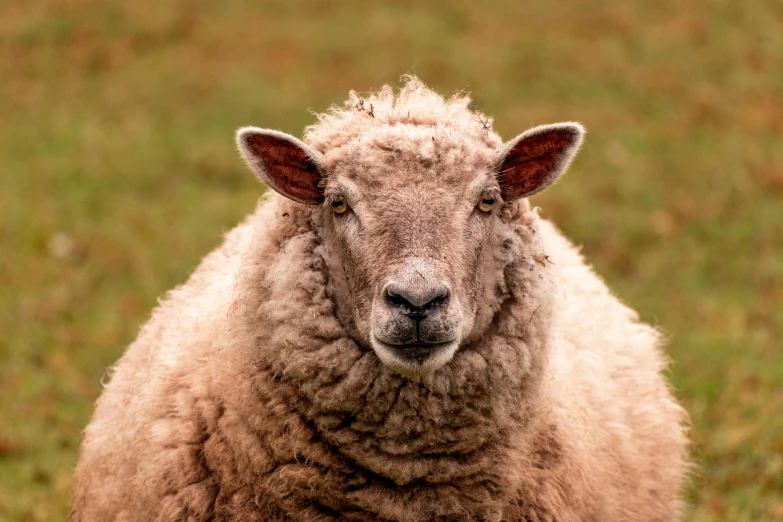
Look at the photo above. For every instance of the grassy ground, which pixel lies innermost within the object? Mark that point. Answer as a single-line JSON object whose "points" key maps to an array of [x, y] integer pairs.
{"points": [[118, 173]]}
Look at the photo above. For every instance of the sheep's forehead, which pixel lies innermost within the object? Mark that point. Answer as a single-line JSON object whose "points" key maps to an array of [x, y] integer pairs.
{"points": [[400, 156]]}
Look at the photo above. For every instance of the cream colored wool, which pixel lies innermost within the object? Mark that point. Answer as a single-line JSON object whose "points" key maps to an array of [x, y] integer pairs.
{"points": [[250, 396]]}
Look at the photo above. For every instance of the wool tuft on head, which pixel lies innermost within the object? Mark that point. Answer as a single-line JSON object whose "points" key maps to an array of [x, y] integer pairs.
{"points": [[394, 335]]}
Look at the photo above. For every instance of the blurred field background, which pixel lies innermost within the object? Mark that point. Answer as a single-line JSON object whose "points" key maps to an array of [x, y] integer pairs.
{"points": [[118, 173]]}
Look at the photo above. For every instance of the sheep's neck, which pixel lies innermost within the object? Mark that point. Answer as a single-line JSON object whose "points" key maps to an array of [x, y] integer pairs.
{"points": [[349, 436]]}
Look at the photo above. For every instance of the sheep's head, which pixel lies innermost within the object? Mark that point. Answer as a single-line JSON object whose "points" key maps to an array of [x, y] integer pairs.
{"points": [[407, 213]]}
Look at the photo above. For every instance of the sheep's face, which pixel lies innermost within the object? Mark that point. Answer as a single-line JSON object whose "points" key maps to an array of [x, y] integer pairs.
{"points": [[407, 216], [411, 253]]}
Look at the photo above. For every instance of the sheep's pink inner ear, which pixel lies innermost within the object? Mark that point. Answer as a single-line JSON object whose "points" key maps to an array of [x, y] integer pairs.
{"points": [[284, 163], [537, 158]]}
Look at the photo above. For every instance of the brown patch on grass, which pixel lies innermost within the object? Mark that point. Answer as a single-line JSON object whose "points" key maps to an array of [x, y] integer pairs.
{"points": [[768, 175], [7, 446], [663, 223]]}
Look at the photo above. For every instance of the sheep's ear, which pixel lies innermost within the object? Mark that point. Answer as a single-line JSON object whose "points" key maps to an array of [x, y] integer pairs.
{"points": [[284, 163], [537, 158]]}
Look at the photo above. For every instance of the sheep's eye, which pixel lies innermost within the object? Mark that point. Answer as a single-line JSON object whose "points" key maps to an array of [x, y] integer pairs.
{"points": [[486, 204], [339, 205]]}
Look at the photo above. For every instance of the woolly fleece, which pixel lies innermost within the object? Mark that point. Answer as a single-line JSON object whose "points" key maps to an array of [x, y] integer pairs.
{"points": [[247, 396]]}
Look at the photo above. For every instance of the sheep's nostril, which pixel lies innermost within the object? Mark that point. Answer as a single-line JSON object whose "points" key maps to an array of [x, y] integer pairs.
{"points": [[396, 300], [417, 304]]}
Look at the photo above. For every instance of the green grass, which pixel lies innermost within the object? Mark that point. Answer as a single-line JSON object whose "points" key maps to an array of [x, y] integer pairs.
{"points": [[118, 173]]}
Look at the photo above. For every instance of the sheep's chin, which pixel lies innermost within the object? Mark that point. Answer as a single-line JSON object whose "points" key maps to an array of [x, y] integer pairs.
{"points": [[389, 356]]}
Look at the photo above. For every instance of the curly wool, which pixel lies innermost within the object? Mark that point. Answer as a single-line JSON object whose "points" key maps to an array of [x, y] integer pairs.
{"points": [[414, 105], [391, 443], [245, 396]]}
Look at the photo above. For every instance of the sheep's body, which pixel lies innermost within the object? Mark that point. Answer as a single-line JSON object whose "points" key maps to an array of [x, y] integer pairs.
{"points": [[245, 398]]}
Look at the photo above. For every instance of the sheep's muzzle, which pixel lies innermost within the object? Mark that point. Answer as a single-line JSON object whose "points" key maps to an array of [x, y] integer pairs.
{"points": [[416, 324]]}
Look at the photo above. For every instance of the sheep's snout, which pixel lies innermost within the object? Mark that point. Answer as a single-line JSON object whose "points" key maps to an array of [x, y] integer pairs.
{"points": [[417, 302], [416, 324]]}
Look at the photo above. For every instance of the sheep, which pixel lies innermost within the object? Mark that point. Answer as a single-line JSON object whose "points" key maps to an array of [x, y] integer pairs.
{"points": [[394, 334]]}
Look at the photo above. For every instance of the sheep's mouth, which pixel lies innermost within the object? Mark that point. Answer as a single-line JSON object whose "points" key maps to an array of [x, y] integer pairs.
{"points": [[417, 358], [418, 352]]}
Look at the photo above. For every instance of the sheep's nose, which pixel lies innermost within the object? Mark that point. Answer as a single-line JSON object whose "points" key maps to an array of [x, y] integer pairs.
{"points": [[417, 303]]}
